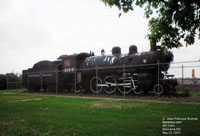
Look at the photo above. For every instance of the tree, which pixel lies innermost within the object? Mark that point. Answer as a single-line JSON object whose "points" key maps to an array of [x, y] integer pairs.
{"points": [[170, 21]]}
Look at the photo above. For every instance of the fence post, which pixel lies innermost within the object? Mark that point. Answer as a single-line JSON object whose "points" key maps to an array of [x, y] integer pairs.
{"points": [[97, 92], [41, 83], [56, 81], [16, 84], [124, 78], [28, 83], [75, 81], [182, 76], [7, 81], [158, 77]]}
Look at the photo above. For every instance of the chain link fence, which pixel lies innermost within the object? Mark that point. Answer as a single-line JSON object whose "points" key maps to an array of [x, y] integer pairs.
{"points": [[187, 74], [13, 81], [96, 82]]}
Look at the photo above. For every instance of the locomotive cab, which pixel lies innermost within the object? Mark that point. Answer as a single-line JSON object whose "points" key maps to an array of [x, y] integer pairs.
{"points": [[72, 62], [70, 69]]}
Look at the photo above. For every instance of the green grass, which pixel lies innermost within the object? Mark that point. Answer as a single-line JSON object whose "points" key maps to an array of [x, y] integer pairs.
{"points": [[51, 115], [193, 98]]}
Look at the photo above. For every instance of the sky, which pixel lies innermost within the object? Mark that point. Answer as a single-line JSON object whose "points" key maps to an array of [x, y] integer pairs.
{"points": [[35, 30]]}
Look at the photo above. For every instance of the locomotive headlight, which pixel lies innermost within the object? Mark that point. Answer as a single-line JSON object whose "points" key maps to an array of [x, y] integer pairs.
{"points": [[144, 61]]}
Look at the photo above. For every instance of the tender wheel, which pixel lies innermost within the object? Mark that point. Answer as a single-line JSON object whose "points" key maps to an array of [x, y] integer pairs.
{"points": [[158, 89], [78, 89], [96, 84], [137, 91], [111, 84]]}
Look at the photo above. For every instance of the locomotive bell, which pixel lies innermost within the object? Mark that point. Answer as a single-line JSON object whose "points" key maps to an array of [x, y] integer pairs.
{"points": [[133, 49], [116, 50]]}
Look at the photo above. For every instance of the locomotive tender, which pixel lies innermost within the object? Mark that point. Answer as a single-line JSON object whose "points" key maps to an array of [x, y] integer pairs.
{"points": [[3, 82], [124, 73]]}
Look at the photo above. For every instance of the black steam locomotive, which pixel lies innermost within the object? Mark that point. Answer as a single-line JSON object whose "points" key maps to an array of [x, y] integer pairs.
{"points": [[133, 72]]}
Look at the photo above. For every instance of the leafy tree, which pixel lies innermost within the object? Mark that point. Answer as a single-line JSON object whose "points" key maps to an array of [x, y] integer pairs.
{"points": [[170, 21]]}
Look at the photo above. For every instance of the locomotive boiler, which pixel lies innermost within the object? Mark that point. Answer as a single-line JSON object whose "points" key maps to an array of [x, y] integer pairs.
{"points": [[124, 73]]}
